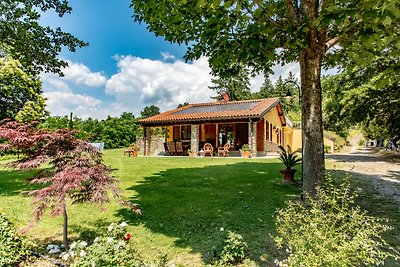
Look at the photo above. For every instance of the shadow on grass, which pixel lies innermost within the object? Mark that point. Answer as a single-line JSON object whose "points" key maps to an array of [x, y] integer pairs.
{"points": [[14, 182], [198, 206]]}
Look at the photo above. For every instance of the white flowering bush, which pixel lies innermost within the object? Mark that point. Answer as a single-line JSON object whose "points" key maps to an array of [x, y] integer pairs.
{"points": [[113, 249], [331, 231]]}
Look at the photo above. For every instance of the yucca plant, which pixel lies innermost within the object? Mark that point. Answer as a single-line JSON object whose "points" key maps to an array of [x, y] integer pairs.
{"points": [[289, 158]]}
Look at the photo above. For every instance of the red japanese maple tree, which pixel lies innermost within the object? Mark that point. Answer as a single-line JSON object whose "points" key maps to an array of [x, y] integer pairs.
{"points": [[77, 170]]}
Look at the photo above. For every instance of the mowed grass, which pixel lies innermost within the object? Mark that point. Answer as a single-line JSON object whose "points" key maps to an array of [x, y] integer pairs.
{"points": [[188, 205]]}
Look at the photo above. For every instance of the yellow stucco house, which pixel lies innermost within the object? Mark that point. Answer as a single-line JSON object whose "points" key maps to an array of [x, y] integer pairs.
{"points": [[260, 123]]}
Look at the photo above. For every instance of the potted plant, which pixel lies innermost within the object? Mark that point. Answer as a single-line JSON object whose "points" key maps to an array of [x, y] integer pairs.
{"points": [[245, 151], [289, 159]]}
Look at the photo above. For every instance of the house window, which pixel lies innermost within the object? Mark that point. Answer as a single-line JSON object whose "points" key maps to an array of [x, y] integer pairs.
{"points": [[185, 132], [267, 131]]}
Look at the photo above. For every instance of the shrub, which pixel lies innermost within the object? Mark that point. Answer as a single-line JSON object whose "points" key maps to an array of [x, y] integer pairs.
{"points": [[289, 158], [13, 248], [233, 250], [329, 231], [116, 248]]}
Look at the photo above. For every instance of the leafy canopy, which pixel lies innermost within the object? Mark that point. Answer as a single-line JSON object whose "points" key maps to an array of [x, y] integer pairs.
{"points": [[23, 37], [20, 92]]}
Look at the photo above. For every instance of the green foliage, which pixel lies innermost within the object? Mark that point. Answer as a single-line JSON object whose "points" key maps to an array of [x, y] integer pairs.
{"points": [[233, 250], [23, 37], [114, 132], [20, 93], [330, 231], [363, 96], [13, 247], [289, 158], [245, 147], [149, 111], [116, 248]]}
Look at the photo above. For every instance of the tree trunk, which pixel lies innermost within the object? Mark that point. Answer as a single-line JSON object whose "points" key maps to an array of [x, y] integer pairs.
{"points": [[65, 228], [312, 131]]}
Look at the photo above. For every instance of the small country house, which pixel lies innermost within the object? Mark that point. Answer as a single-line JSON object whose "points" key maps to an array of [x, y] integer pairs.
{"points": [[260, 123]]}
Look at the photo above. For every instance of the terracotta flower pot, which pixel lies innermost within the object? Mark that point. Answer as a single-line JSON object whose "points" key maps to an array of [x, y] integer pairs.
{"points": [[246, 154], [134, 153], [288, 175]]}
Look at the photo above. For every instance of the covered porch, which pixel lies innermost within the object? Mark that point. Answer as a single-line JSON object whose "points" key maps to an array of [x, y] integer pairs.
{"points": [[191, 127]]}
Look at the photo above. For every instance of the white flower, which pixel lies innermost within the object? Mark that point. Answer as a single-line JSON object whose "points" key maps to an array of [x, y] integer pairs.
{"points": [[83, 244], [121, 244], [65, 256], [72, 254], [73, 245], [96, 239], [93, 264], [110, 239], [110, 227], [123, 224], [82, 254], [221, 229]]}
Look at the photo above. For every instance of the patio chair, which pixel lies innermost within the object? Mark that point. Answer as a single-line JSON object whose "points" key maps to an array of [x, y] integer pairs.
{"points": [[224, 151], [208, 149], [167, 152], [179, 148], [171, 148]]}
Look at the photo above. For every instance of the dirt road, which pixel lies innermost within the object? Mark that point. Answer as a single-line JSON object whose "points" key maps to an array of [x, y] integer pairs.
{"points": [[383, 173]]}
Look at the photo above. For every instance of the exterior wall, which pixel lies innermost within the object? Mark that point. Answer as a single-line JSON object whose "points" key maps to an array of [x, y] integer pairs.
{"points": [[329, 142], [170, 133], [297, 140], [273, 118], [155, 146]]}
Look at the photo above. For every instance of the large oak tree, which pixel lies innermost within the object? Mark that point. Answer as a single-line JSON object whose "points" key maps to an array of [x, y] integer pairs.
{"points": [[260, 33]]}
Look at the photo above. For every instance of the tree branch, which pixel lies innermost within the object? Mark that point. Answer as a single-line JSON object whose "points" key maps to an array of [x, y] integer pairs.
{"points": [[331, 43], [292, 14]]}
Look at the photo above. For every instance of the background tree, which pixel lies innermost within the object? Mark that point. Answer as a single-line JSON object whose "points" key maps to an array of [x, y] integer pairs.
{"points": [[347, 96], [236, 84], [114, 132], [77, 170], [150, 111], [260, 33], [182, 105], [35, 46], [19, 92]]}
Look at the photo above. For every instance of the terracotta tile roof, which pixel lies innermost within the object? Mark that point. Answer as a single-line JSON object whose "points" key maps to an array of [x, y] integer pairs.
{"points": [[214, 111]]}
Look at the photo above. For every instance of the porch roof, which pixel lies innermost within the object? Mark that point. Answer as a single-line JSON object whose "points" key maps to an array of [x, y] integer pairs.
{"points": [[243, 110]]}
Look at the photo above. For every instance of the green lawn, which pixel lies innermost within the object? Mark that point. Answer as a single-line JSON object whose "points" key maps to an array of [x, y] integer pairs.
{"points": [[188, 205]]}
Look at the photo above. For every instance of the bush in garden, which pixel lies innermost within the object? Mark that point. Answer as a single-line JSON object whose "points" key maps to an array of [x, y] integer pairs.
{"points": [[13, 248], [233, 250], [330, 231], [116, 248]]}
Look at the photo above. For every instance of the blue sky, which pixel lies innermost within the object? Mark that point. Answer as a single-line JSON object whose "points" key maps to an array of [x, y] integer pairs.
{"points": [[125, 67]]}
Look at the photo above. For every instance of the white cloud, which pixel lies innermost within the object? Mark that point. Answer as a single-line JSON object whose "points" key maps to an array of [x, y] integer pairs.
{"points": [[141, 82], [82, 75], [167, 55], [62, 103]]}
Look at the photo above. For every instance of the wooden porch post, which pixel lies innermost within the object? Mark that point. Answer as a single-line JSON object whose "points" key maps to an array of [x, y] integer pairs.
{"points": [[194, 139]]}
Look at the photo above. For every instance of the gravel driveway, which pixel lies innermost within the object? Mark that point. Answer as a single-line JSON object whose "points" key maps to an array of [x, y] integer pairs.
{"points": [[381, 172]]}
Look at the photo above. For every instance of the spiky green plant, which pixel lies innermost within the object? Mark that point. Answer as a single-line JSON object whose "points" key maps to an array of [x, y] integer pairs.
{"points": [[289, 158]]}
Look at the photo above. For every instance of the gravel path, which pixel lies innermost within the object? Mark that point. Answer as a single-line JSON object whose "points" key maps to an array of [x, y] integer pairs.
{"points": [[379, 171]]}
